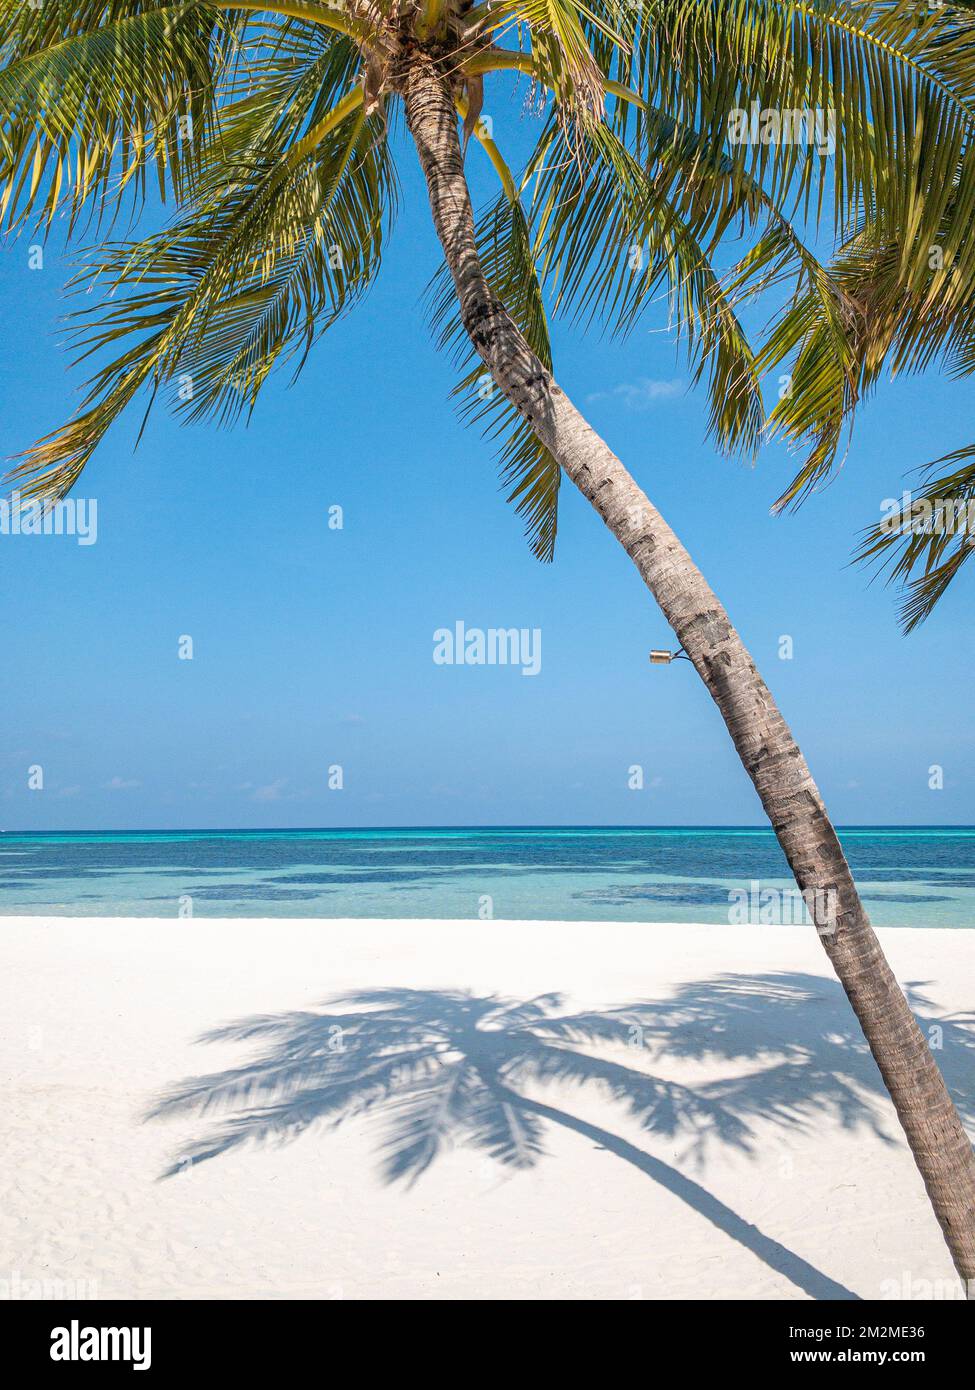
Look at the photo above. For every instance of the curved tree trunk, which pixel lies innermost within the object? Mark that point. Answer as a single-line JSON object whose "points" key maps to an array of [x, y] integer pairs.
{"points": [[761, 736]]}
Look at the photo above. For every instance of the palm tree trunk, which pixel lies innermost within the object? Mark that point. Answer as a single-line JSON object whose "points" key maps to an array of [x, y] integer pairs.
{"points": [[761, 736]]}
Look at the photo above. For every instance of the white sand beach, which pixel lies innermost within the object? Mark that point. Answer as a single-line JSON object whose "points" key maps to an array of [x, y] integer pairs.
{"points": [[725, 1136]]}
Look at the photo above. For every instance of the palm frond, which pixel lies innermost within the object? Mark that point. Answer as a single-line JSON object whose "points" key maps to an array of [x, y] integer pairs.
{"points": [[924, 540], [897, 80], [268, 125], [844, 327], [86, 113], [561, 33], [248, 279], [820, 336], [526, 466], [610, 240]]}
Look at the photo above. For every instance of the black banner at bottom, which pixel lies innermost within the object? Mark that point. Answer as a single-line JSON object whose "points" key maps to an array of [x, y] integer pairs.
{"points": [[168, 1340]]}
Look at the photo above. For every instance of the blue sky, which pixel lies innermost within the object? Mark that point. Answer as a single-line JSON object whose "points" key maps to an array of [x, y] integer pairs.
{"points": [[313, 647]]}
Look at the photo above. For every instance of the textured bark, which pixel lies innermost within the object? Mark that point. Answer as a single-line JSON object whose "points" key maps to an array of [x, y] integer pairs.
{"points": [[761, 736]]}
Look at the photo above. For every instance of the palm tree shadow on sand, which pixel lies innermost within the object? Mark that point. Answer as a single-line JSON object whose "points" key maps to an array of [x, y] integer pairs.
{"points": [[438, 1068]]}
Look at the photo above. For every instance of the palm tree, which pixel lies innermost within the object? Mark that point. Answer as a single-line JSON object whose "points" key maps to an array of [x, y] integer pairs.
{"points": [[272, 126], [435, 1069]]}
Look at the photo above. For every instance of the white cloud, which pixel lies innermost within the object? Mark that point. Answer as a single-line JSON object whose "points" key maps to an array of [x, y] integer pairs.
{"points": [[122, 784], [640, 394], [274, 791]]}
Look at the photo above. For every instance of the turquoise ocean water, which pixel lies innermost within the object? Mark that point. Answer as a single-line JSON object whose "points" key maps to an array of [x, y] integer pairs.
{"points": [[908, 876]]}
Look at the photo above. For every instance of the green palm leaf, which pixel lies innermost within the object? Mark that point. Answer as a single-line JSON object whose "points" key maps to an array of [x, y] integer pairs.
{"points": [[260, 267], [527, 468], [86, 113], [610, 238], [268, 124], [924, 543]]}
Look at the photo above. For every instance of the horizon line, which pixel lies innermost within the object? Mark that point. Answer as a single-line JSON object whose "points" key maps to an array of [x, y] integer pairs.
{"points": [[499, 825]]}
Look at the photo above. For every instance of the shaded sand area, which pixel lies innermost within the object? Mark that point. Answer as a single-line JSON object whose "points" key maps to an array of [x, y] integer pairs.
{"points": [[383, 1109]]}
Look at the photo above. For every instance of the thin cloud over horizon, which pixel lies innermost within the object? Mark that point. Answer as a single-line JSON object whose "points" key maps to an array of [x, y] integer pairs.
{"points": [[640, 394]]}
